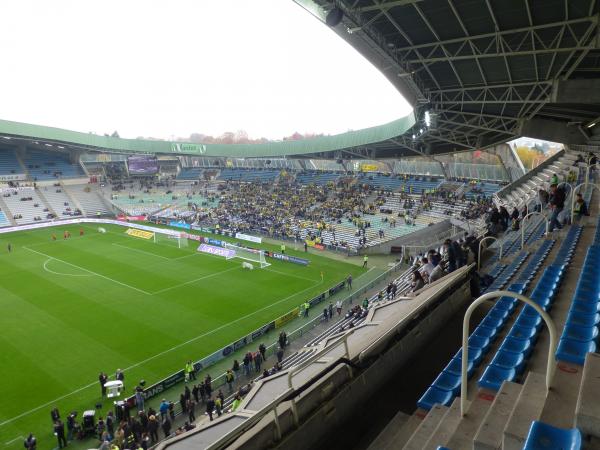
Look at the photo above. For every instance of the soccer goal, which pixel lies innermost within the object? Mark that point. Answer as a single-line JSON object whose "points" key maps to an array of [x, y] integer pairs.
{"points": [[248, 254], [174, 240]]}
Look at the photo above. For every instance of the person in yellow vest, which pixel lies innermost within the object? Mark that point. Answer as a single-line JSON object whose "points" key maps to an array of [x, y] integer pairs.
{"points": [[365, 260], [306, 308], [283, 248]]}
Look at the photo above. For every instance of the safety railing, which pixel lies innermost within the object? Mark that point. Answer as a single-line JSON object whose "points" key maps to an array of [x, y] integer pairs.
{"points": [[576, 190], [533, 213], [272, 405], [465, 339], [479, 253]]}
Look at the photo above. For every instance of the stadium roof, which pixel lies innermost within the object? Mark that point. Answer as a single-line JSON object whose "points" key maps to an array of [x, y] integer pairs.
{"points": [[477, 72], [307, 147], [487, 70]]}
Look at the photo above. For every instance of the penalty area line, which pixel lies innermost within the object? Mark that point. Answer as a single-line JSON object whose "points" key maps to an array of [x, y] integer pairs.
{"points": [[88, 271], [141, 251], [210, 275]]}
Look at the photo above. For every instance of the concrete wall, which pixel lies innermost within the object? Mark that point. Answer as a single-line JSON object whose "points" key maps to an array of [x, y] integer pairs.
{"points": [[425, 235], [326, 406]]}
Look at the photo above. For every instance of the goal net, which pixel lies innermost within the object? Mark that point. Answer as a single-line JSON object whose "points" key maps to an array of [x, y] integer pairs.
{"points": [[248, 254], [174, 240]]}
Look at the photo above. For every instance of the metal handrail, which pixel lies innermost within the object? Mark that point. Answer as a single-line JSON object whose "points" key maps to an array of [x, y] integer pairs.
{"points": [[465, 340], [479, 254], [575, 190], [532, 213], [588, 170], [272, 406]]}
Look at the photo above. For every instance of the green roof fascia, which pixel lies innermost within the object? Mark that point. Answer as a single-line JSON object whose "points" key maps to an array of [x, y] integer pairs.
{"points": [[91, 141]]}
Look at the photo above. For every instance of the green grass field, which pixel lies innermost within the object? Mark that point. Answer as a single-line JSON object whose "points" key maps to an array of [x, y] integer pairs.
{"points": [[72, 308]]}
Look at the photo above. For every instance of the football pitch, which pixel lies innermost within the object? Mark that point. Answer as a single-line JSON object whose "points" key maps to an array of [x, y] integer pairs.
{"points": [[72, 308]]}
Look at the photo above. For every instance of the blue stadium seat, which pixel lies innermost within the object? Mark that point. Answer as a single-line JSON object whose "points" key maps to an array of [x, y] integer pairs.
{"points": [[515, 345], [529, 321], [522, 332], [542, 436], [577, 333], [493, 377], [491, 322], [509, 360], [447, 382], [454, 367], [585, 307], [498, 314], [574, 351], [474, 355], [582, 319], [433, 396], [485, 332], [482, 343]]}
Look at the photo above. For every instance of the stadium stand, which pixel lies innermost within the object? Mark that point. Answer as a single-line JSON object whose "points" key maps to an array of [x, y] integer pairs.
{"points": [[87, 199], [249, 175], [190, 173], [25, 205], [317, 178], [9, 164], [58, 200], [50, 165], [4, 222]]}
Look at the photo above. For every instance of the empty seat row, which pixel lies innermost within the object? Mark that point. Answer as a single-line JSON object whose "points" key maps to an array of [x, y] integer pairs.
{"points": [[509, 362], [447, 385], [580, 333], [509, 271]]}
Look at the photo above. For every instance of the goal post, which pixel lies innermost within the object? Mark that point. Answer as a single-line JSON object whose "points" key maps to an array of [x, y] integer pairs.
{"points": [[248, 254], [174, 240]]}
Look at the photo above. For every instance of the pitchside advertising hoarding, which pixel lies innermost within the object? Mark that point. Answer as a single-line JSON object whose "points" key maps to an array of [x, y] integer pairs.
{"points": [[180, 224], [247, 237], [217, 251], [179, 376]]}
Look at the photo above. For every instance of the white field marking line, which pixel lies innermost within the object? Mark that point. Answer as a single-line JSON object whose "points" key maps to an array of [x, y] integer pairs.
{"points": [[140, 251], [289, 275], [10, 442], [158, 355], [197, 279], [185, 256], [63, 274], [88, 271]]}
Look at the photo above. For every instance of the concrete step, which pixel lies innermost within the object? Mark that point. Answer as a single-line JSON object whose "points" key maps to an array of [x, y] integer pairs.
{"points": [[587, 411], [462, 438], [528, 408], [446, 427], [489, 434], [427, 426], [407, 430], [559, 407], [386, 436]]}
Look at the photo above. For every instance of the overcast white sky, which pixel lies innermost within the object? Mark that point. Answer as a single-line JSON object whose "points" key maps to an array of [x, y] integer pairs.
{"points": [[170, 68]]}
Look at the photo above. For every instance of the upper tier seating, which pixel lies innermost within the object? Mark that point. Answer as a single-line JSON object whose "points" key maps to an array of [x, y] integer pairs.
{"points": [[249, 175], [9, 164], [50, 165], [190, 173], [317, 178]]}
